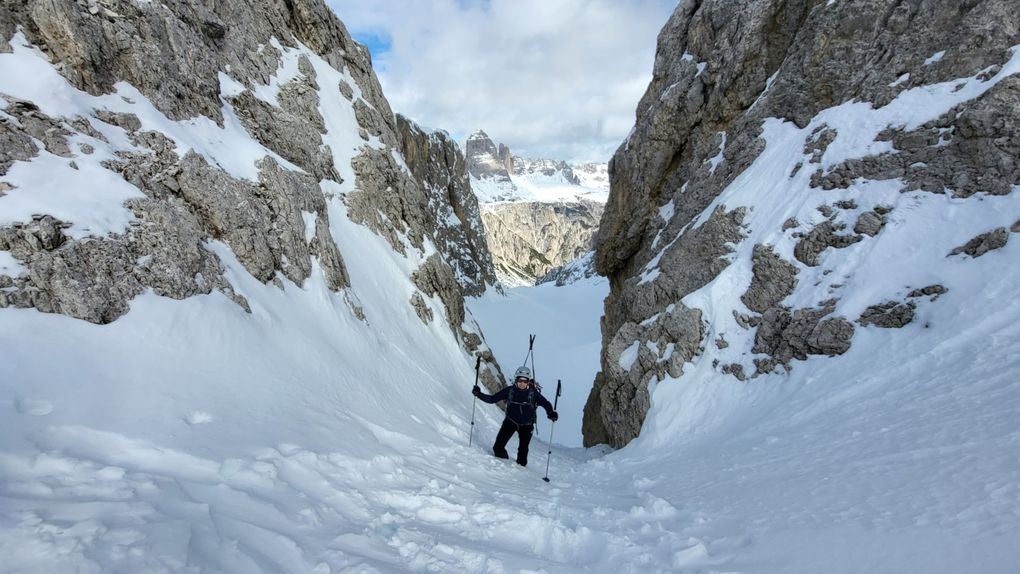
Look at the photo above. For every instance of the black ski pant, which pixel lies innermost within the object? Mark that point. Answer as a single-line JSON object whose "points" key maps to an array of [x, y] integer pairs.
{"points": [[523, 438]]}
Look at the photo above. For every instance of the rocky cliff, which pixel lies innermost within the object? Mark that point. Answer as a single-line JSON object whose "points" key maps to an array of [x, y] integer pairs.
{"points": [[529, 239], [491, 165], [217, 131], [437, 163], [784, 152]]}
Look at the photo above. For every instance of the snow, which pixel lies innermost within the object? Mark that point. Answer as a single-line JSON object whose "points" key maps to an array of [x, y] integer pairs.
{"points": [[715, 160], [49, 184], [687, 57], [900, 80], [629, 356], [10, 266], [535, 188], [229, 147], [667, 211], [309, 218], [287, 72], [539, 187], [936, 57], [191, 436]]}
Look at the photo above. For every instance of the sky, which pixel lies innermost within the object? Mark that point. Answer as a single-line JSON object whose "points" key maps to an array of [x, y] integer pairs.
{"points": [[557, 80]]}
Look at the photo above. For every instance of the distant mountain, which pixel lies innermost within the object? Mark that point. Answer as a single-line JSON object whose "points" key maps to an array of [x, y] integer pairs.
{"points": [[499, 176], [539, 214]]}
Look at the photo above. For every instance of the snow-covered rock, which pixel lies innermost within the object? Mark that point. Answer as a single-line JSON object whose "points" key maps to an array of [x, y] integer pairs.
{"points": [[787, 189], [436, 161], [577, 270]]}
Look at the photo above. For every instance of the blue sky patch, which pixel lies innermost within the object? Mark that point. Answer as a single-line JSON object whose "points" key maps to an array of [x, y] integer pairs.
{"points": [[378, 44]]}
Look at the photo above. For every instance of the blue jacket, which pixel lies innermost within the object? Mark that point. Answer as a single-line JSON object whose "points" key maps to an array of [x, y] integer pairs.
{"points": [[519, 409]]}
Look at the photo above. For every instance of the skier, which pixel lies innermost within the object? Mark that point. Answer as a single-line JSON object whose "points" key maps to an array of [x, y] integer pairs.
{"points": [[521, 398]]}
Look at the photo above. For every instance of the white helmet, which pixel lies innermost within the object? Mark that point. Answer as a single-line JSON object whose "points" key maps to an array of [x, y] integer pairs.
{"points": [[523, 372]]}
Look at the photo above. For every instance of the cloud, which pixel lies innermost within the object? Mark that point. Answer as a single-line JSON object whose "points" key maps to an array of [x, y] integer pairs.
{"points": [[558, 79]]}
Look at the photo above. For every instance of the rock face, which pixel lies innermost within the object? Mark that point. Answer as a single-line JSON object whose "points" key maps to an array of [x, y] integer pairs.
{"points": [[437, 163], [488, 163], [726, 85], [529, 239], [269, 73]]}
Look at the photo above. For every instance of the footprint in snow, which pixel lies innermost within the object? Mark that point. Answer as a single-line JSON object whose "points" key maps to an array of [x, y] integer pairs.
{"points": [[33, 407]]}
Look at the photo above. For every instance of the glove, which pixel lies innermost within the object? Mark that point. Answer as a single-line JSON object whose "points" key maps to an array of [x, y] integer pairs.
{"points": [[553, 416], [476, 391]]}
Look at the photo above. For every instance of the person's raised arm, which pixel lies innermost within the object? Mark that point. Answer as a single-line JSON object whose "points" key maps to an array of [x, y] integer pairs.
{"points": [[499, 396]]}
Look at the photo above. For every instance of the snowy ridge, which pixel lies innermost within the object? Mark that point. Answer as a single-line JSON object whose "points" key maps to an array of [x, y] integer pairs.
{"points": [[538, 187], [497, 176]]}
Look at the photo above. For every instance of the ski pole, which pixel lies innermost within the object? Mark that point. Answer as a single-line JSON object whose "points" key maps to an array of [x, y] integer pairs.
{"points": [[552, 427], [474, 403], [531, 342]]}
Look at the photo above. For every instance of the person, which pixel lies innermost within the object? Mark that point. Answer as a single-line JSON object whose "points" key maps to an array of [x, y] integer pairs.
{"points": [[521, 398]]}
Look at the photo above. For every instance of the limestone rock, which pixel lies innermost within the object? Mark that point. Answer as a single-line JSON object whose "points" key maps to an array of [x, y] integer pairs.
{"points": [[822, 237], [485, 161], [930, 291], [531, 232], [869, 223], [194, 60], [983, 243], [579, 269], [421, 308], [787, 335], [774, 279], [435, 160], [889, 315]]}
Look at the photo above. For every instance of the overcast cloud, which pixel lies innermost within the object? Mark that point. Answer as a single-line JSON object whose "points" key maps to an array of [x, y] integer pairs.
{"points": [[550, 78]]}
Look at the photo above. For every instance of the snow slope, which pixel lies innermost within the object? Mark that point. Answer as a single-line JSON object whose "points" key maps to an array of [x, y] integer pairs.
{"points": [[535, 187]]}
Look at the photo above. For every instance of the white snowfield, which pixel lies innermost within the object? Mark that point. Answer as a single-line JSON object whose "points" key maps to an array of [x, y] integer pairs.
{"points": [[189, 436], [540, 188]]}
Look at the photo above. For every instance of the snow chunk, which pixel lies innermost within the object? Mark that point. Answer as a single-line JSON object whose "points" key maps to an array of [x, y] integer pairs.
{"points": [[309, 218], [900, 80], [687, 57], [629, 356], [91, 197], [666, 211], [718, 158], [936, 57], [286, 73]]}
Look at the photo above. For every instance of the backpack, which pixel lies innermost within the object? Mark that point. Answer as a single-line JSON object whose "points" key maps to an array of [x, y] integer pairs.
{"points": [[531, 395]]}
